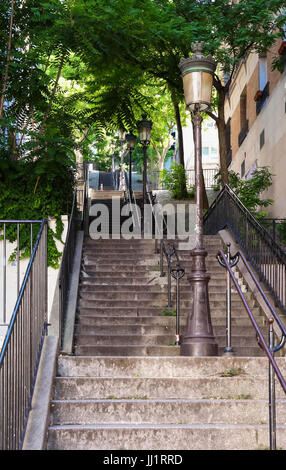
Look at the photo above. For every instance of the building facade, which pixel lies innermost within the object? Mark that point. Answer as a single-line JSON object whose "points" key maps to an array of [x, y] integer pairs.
{"points": [[256, 119]]}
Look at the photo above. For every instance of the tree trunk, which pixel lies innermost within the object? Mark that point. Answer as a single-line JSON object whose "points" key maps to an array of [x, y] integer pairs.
{"points": [[222, 133], [180, 133], [180, 138], [5, 80], [205, 197], [52, 95]]}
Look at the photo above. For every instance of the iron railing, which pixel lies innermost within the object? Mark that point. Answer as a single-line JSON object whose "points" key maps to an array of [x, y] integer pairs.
{"points": [[177, 272], [20, 231], [225, 260], [209, 178], [277, 229], [22, 346], [68, 254], [265, 255]]}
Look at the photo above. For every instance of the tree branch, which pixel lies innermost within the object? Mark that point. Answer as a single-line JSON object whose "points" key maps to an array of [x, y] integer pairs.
{"points": [[8, 60]]}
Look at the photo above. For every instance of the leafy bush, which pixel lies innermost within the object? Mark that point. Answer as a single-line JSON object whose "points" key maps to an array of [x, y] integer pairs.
{"points": [[249, 191], [175, 181], [33, 190]]}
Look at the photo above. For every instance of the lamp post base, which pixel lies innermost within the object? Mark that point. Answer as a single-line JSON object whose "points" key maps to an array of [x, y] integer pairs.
{"points": [[199, 339]]}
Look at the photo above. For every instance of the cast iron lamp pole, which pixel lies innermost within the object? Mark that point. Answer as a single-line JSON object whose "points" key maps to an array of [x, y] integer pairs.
{"points": [[131, 141], [144, 130], [197, 73], [122, 134]]}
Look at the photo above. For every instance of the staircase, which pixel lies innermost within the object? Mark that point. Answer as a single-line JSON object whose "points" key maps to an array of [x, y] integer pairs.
{"points": [[127, 387]]}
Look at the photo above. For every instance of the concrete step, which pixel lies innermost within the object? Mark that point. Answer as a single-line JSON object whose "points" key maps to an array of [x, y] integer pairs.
{"points": [[137, 329], [127, 350], [172, 367], [154, 339], [218, 310], [215, 288], [164, 411], [236, 387], [158, 437], [161, 321], [156, 301]]}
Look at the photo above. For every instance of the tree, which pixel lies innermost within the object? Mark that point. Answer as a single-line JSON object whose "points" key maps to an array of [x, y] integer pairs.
{"points": [[232, 30]]}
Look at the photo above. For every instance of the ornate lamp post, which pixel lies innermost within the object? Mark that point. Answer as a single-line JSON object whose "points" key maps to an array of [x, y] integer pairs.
{"points": [[131, 141], [144, 131], [197, 72], [122, 134]]}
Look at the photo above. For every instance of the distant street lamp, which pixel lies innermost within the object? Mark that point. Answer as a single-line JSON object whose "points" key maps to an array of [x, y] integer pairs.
{"points": [[144, 130], [131, 142], [197, 72], [122, 134]]}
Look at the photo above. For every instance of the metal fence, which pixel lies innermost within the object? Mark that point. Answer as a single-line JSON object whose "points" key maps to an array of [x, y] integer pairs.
{"points": [[23, 342], [276, 228], [267, 257], [209, 176], [76, 218]]}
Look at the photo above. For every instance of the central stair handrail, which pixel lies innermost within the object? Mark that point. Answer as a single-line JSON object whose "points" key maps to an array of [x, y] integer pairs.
{"points": [[264, 253], [269, 350]]}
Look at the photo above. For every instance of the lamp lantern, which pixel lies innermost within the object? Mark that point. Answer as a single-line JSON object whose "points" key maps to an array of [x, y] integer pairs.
{"points": [[197, 73]]}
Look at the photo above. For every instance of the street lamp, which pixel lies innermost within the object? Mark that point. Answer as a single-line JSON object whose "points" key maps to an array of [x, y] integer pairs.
{"points": [[197, 72], [144, 131], [122, 134], [131, 142]]}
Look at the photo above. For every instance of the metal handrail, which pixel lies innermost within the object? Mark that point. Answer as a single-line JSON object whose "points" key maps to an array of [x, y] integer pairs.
{"points": [[269, 351], [258, 332], [264, 253], [22, 346], [4, 261]]}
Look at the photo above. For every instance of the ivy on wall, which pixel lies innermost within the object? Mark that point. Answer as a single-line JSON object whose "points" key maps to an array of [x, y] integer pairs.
{"points": [[33, 190]]}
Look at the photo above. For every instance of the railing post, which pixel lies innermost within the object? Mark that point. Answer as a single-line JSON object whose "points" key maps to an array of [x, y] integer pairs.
{"points": [[177, 274], [231, 261], [272, 404], [162, 274], [228, 349]]}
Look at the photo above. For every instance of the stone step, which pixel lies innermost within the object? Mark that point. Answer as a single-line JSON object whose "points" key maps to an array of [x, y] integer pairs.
{"points": [[161, 321], [137, 329], [217, 289], [172, 367], [152, 300], [236, 387], [112, 311], [127, 350], [167, 411], [158, 437], [154, 339]]}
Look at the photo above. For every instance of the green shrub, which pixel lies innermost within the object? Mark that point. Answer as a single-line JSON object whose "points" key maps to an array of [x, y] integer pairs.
{"points": [[249, 191], [33, 190], [175, 181]]}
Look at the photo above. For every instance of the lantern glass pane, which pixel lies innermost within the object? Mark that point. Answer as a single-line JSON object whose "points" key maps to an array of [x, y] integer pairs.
{"points": [[198, 89]]}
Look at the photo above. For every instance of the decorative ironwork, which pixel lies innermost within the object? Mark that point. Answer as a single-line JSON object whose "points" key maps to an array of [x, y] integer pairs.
{"points": [[243, 133], [262, 98], [267, 257], [22, 347], [269, 350], [232, 261]]}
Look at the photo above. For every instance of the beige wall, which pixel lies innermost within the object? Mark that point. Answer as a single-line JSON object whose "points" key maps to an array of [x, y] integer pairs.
{"points": [[271, 119]]}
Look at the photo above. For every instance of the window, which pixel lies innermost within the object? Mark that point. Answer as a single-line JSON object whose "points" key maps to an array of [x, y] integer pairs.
{"points": [[242, 169], [228, 143], [205, 151], [263, 92], [262, 72], [243, 113], [243, 117], [262, 139]]}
